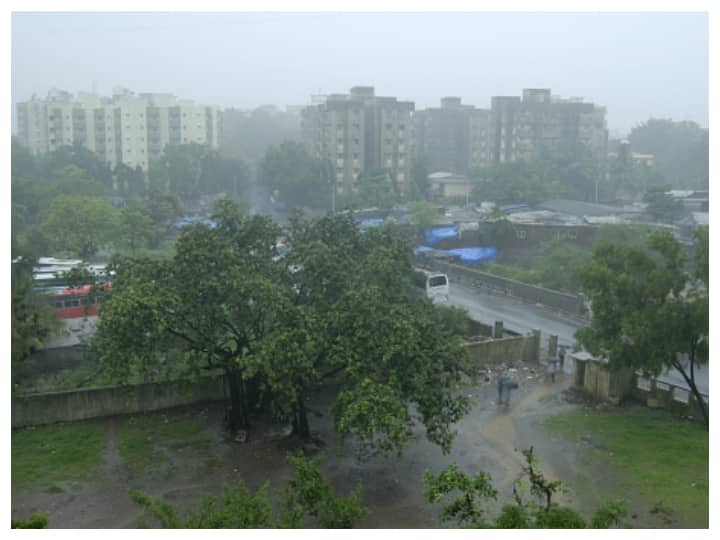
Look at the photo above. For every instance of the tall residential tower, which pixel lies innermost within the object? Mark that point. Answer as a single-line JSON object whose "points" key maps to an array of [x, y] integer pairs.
{"points": [[127, 128], [360, 133]]}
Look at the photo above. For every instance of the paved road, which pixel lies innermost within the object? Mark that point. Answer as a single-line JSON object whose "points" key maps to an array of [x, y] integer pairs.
{"points": [[523, 317], [515, 314]]}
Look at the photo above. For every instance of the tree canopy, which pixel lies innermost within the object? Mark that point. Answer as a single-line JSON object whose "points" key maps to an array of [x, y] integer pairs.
{"points": [[649, 307], [298, 178], [681, 150], [338, 306]]}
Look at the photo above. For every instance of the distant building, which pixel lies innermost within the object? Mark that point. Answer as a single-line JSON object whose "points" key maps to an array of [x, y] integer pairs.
{"points": [[445, 185], [360, 133], [454, 137], [523, 128], [126, 128], [647, 160]]}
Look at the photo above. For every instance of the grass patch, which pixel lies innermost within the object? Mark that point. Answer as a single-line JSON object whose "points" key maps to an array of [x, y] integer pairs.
{"points": [[56, 453], [660, 459], [147, 443]]}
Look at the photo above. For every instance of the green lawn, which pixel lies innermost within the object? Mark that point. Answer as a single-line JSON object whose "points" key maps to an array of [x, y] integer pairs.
{"points": [[50, 454], [663, 460], [147, 441]]}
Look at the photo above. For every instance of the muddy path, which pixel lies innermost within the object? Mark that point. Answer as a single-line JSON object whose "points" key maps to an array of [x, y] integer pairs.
{"points": [[489, 438]]}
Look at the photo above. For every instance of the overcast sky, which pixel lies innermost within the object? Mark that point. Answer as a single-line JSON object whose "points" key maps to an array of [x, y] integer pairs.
{"points": [[638, 65]]}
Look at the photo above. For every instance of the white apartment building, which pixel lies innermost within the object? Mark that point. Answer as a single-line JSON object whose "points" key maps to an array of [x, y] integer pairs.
{"points": [[127, 128]]}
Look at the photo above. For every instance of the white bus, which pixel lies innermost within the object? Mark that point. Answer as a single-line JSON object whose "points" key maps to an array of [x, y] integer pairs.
{"points": [[437, 287]]}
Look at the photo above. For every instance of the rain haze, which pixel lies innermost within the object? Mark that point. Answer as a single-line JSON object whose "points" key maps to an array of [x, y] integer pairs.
{"points": [[377, 269], [638, 65]]}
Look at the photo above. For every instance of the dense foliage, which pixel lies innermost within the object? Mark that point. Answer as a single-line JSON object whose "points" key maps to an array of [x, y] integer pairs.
{"points": [[681, 150], [533, 510], [306, 501], [650, 306], [338, 306]]}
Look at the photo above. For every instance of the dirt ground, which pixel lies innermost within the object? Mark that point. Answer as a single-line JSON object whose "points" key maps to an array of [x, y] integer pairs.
{"points": [[489, 438]]}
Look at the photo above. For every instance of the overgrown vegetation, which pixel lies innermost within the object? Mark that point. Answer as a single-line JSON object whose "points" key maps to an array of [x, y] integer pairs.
{"points": [[306, 501], [532, 506], [662, 460]]}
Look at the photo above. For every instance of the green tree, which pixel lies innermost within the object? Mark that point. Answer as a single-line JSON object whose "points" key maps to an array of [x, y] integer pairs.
{"points": [[162, 208], [135, 228], [306, 500], [80, 224], [533, 510], [662, 206], [356, 321], [218, 300], [81, 158], [129, 182], [32, 320], [422, 214], [22, 163], [300, 179], [681, 150], [376, 189], [649, 311]]}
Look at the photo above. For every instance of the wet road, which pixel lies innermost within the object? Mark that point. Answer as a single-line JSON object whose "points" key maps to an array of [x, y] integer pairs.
{"points": [[516, 315], [522, 317]]}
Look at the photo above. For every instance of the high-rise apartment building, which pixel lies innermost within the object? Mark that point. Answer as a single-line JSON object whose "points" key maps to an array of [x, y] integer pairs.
{"points": [[127, 128], [453, 138], [360, 133], [523, 128]]}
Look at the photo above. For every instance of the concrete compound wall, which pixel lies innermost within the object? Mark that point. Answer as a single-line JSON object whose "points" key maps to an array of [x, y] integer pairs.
{"points": [[661, 395], [81, 404], [569, 303], [507, 349]]}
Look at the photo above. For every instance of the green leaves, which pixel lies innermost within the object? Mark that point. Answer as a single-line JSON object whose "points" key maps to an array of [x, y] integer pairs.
{"points": [[80, 224], [472, 494], [307, 500]]}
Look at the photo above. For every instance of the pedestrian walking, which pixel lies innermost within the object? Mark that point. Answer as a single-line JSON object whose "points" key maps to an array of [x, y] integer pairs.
{"points": [[552, 367], [561, 355]]}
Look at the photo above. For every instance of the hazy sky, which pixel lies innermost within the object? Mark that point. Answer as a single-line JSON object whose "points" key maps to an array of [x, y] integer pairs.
{"points": [[636, 64]]}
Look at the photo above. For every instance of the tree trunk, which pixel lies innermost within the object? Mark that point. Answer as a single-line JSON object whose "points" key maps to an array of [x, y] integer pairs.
{"points": [[237, 417], [301, 426], [693, 387]]}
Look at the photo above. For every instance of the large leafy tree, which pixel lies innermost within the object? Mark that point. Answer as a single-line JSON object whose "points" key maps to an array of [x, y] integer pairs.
{"points": [[355, 320], [299, 179], [80, 224], [128, 181], [135, 228], [214, 302], [649, 310], [662, 206], [337, 307], [681, 150]]}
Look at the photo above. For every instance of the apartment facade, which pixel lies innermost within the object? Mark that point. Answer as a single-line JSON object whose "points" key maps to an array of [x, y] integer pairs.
{"points": [[454, 137], [360, 133], [126, 128], [524, 127]]}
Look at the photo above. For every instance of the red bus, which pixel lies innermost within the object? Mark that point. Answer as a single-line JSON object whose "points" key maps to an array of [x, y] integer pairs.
{"points": [[77, 303]]}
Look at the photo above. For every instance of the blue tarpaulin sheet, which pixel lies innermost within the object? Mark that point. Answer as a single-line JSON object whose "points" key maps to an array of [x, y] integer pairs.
{"points": [[468, 255], [432, 236], [474, 254]]}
